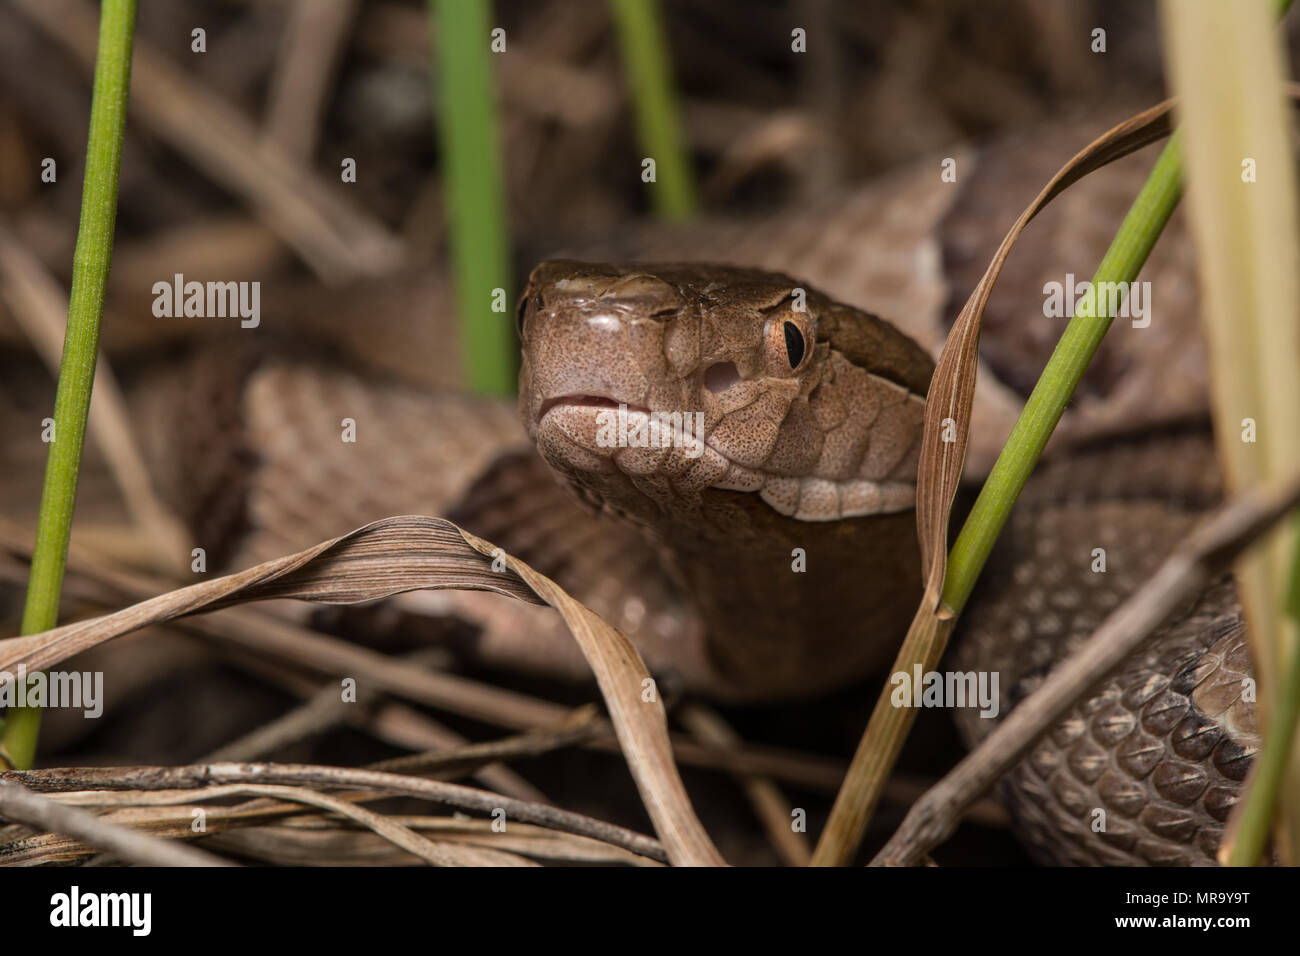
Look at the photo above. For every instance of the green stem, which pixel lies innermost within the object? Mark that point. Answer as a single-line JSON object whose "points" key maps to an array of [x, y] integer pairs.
{"points": [[1270, 767], [474, 192], [1265, 788], [646, 64], [80, 345], [1133, 242]]}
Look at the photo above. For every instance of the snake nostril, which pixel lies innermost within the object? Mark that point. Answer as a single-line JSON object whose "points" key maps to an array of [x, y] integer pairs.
{"points": [[720, 377]]}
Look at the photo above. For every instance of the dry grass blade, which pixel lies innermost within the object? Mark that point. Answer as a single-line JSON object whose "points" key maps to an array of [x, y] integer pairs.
{"points": [[1197, 561], [199, 776], [22, 806], [948, 409], [171, 814], [394, 833], [381, 559], [249, 630], [1228, 66], [178, 824], [402, 554], [316, 841]]}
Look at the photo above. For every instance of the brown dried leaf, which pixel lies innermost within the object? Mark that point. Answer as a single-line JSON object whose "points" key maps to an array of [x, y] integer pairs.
{"points": [[406, 553], [952, 388]]}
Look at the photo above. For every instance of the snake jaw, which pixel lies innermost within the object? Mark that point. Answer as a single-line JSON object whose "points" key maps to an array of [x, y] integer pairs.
{"points": [[581, 401]]}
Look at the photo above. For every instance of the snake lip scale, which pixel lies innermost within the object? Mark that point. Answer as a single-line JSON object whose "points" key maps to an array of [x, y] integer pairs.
{"points": [[587, 401]]}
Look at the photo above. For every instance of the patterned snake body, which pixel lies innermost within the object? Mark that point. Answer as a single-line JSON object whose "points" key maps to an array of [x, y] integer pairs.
{"points": [[810, 414]]}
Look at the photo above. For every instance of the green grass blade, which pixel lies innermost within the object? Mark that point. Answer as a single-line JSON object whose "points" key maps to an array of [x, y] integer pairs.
{"points": [[1136, 237], [475, 193], [647, 67], [80, 346], [1228, 67]]}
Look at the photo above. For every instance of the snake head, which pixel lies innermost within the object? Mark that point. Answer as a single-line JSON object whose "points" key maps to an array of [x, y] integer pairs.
{"points": [[653, 388]]}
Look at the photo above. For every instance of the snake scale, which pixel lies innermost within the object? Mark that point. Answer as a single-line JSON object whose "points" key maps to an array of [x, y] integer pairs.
{"points": [[811, 416]]}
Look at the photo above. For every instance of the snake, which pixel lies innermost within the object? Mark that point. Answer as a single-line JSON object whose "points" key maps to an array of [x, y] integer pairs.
{"points": [[813, 415], [762, 546]]}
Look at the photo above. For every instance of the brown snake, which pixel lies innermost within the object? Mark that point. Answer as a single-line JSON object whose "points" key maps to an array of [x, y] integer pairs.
{"points": [[809, 414]]}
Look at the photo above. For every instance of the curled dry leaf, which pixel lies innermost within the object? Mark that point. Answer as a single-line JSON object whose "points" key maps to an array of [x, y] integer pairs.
{"points": [[952, 388]]}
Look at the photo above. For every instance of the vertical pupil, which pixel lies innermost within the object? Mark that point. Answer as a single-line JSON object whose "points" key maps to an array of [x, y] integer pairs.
{"points": [[793, 344]]}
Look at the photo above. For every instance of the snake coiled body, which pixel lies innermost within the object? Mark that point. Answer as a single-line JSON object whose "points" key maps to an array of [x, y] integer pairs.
{"points": [[1147, 768]]}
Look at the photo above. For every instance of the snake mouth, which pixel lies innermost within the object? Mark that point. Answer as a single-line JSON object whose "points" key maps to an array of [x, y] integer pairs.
{"points": [[586, 400]]}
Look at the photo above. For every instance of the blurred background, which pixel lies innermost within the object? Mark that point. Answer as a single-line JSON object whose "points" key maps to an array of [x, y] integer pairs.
{"points": [[883, 83]]}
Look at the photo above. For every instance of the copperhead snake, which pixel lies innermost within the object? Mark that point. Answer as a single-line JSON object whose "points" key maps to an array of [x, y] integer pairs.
{"points": [[810, 416]]}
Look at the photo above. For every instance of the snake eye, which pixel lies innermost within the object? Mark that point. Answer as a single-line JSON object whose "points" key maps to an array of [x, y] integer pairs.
{"points": [[794, 346], [788, 342]]}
